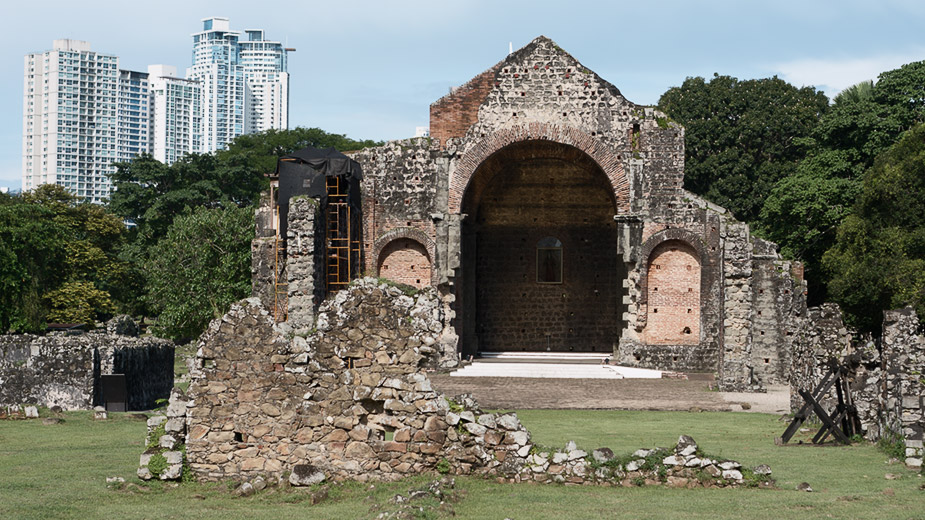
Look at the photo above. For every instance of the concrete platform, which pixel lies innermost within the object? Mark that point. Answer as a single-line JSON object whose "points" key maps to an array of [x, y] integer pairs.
{"points": [[551, 367]]}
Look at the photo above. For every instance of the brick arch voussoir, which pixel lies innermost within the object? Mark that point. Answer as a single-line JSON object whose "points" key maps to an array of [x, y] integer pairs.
{"points": [[684, 236], [563, 134], [410, 234]]}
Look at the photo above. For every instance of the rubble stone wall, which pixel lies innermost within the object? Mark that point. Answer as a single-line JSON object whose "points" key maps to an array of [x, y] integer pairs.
{"points": [[904, 374], [62, 369], [353, 401]]}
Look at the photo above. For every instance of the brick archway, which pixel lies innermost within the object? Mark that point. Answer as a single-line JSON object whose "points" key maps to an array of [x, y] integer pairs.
{"points": [[414, 235], [485, 147]]}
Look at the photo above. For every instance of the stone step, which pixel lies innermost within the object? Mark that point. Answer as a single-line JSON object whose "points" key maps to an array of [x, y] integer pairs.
{"points": [[554, 370]]}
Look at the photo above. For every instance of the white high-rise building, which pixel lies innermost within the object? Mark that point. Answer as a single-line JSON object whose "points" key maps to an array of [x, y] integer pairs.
{"points": [[132, 133], [175, 114], [70, 119], [245, 86], [267, 82]]}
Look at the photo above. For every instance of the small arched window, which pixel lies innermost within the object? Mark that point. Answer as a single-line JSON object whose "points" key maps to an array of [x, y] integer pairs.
{"points": [[549, 260]]}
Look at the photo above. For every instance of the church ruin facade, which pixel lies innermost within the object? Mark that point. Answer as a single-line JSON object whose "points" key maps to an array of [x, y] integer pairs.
{"points": [[549, 213]]}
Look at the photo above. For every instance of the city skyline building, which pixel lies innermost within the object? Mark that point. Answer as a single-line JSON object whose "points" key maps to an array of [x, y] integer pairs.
{"points": [[82, 114], [244, 82], [134, 104], [267, 82], [176, 117], [70, 119]]}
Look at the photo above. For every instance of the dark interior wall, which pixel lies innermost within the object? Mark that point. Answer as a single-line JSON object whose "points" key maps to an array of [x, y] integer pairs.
{"points": [[520, 195]]}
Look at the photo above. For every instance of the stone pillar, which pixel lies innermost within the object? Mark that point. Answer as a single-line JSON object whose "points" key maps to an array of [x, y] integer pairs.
{"points": [[904, 359], [305, 262], [735, 368]]}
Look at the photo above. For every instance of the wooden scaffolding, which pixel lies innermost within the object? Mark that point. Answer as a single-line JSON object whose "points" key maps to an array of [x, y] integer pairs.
{"points": [[342, 243]]}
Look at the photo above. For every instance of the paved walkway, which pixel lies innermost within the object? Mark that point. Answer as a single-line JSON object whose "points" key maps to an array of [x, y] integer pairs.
{"points": [[609, 394]]}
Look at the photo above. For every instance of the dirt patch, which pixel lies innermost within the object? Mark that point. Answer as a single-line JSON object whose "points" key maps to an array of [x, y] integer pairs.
{"points": [[607, 394]]}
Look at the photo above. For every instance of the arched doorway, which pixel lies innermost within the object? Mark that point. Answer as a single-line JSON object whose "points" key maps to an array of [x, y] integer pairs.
{"points": [[405, 260], [540, 269]]}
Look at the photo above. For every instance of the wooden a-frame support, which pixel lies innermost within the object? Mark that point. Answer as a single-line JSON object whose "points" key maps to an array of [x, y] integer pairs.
{"points": [[843, 422]]}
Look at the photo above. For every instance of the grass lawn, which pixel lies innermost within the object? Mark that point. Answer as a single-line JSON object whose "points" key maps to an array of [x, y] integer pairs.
{"points": [[59, 472]]}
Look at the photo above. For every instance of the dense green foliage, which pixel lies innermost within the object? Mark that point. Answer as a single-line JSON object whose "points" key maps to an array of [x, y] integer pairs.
{"points": [[741, 137], [199, 268], [878, 260], [58, 260]]}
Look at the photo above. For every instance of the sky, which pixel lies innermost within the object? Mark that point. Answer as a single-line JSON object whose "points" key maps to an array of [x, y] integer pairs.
{"points": [[370, 69]]}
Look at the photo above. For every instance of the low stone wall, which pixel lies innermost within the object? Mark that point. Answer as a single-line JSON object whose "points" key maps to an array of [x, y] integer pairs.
{"points": [[63, 369], [352, 401]]}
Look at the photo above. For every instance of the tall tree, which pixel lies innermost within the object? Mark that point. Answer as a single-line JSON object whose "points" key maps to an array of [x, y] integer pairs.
{"points": [[878, 261], [741, 136], [57, 259], [198, 268]]}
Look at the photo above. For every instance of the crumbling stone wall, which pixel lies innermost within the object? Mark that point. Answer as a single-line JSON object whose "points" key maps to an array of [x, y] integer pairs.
{"points": [[904, 392], [352, 401], [63, 369], [822, 337], [887, 385]]}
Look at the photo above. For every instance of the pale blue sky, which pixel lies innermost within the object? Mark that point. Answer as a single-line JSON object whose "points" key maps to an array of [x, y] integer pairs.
{"points": [[370, 69]]}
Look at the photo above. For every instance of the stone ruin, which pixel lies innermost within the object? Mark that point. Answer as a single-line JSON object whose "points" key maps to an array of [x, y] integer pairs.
{"points": [[887, 385], [351, 400], [64, 369], [549, 213]]}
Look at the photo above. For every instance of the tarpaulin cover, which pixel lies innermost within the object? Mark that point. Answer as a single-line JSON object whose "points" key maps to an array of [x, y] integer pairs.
{"points": [[304, 172]]}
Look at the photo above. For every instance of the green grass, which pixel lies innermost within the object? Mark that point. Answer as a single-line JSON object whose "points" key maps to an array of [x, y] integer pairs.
{"points": [[59, 472]]}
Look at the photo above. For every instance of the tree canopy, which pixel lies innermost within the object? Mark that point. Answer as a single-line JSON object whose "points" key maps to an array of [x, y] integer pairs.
{"points": [[198, 268], [878, 260], [741, 136], [58, 260]]}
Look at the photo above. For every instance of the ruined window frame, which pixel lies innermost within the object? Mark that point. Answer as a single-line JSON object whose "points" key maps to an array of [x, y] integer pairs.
{"points": [[549, 248]]}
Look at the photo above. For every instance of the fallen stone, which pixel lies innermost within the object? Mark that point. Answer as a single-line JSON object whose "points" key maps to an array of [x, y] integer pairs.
{"points": [[173, 472], [259, 484], [804, 486], [305, 475], [32, 412], [602, 455], [763, 469], [508, 422], [732, 474], [244, 490]]}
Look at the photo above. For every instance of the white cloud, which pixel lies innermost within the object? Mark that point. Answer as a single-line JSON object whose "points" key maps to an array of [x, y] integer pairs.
{"points": [[835, 75]]}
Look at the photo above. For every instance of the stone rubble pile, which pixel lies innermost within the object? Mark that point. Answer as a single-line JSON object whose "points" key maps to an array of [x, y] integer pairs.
{"points": [[165, 449]]}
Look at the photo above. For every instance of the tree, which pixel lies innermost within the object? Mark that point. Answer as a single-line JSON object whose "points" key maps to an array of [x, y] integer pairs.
{"points": [[878, 260], [31, 253], [861, 91], [57, 259], [200, 266], [741, 136]]}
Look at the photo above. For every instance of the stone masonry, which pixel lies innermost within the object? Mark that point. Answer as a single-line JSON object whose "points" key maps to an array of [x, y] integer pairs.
{"points": [[886, 383], [63, 369], [352, 401], [539, 146]]}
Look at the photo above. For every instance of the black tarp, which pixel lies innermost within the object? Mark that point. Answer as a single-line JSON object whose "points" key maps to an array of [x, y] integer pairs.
{"points": [[304, 173]]}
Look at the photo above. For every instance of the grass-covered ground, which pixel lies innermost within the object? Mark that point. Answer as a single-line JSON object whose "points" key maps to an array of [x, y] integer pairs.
{"points": [[59, 471]]}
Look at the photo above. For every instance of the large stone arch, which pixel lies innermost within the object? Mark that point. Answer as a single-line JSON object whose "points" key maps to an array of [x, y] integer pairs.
{"points": [[404, 233], [656, 244], [563, 134], [521, 195]]}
